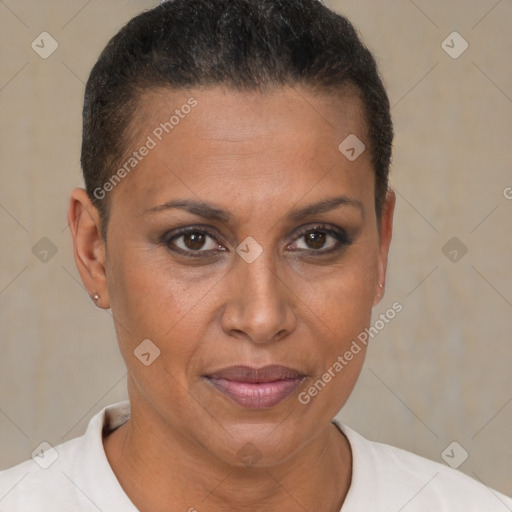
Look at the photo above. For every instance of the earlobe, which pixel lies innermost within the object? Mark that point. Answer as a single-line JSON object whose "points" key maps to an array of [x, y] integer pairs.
{"points": [[379, 293], [89, 249]]}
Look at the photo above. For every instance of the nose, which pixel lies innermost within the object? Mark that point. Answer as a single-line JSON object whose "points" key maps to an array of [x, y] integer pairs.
{"points": [[259, 306]]}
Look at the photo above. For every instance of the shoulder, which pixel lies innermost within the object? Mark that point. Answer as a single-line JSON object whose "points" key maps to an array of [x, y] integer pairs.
{"points": [[43, 479], [395, 479], [74, 475]]}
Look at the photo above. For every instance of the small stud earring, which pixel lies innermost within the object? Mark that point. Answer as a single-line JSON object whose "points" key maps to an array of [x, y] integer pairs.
{"points": [[381, 285], [95, 297]]}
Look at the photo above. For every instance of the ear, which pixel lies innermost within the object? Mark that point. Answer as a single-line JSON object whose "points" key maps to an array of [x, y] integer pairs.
{"points": [[386, 230], [89, 249]]}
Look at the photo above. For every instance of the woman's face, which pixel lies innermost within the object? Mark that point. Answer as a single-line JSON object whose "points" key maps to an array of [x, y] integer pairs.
{"points": [[260, 277]]}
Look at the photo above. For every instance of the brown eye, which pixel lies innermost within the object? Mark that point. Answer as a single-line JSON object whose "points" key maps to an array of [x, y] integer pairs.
{"points": [[321, 240], [193, 242], [315, 239]]}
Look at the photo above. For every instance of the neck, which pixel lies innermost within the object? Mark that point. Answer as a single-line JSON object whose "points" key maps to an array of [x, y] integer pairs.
{"points": [[160, 470]]}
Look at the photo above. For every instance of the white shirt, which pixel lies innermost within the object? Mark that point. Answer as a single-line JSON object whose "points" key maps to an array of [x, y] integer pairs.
{"points": [[77, 477]]}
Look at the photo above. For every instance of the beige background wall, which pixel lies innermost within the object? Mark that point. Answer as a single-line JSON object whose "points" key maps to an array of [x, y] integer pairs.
{"points": [[439, 372]]}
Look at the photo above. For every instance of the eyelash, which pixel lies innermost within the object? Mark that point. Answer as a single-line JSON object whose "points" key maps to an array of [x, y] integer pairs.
{"points": [[339, 235]]}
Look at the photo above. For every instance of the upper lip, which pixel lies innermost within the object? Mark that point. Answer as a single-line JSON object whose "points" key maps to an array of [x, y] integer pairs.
{"points": [[268, 373]]}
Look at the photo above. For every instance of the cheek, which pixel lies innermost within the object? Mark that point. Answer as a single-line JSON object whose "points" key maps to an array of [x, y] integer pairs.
{"points": [[339, 311], [149, 302], [144, 300], [341, 295], [152, 299]]}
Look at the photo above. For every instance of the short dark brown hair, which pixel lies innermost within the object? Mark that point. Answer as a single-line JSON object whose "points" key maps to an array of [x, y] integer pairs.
{"points": [[244, 44]]}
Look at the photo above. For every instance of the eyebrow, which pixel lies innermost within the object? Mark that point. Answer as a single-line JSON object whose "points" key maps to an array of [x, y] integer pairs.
{"points": [[199, 208], [208, 211], [325, 206]]}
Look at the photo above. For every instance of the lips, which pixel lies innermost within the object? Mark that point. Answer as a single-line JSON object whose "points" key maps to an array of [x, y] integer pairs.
{"points": [[256, 388], [269, 373]]}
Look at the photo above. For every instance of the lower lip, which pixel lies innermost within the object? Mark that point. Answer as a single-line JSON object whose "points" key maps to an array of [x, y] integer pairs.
{"points": [[256, 395]]}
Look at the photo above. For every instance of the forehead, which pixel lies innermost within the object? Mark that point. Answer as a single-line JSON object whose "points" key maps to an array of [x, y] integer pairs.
{"points": [[220, 141], [222, 109]]}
